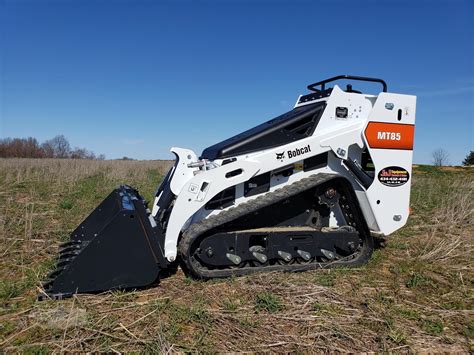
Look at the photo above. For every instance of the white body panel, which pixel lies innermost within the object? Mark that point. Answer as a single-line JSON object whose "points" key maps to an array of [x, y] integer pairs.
{"points": [[390, 204], [343, 138]]}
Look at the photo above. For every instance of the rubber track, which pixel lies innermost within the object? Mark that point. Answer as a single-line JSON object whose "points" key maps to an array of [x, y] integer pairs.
{"points": [[197, 229]]}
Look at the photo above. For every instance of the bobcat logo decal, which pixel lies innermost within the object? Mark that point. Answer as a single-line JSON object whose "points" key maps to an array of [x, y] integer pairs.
{"points": [[280, 155]]}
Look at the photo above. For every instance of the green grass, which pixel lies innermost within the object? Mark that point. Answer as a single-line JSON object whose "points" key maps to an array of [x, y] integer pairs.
{"points": [[415, 280], [430, 169], [398, 336], [408, 313], [433, 327], [327, 279], [10, 289], [66, 204], [469, 330], [268, 302], [230, 305]]}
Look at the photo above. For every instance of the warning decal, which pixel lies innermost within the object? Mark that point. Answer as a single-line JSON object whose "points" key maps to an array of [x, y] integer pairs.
{"points": [[393, 176]]}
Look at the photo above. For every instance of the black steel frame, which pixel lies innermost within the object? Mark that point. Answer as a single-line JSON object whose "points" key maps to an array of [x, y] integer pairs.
{"points": [[323, 83]]}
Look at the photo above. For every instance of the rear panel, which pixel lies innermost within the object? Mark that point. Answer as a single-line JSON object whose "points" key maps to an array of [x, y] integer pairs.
{"points": [[389, 135]]}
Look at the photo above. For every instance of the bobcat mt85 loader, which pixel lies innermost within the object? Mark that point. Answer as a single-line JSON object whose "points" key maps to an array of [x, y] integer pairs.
{"points": [[308, 189]]}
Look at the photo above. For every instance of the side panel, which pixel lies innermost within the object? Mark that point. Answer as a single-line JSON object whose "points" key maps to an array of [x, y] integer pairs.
{"points": [[209, 183], [389, 137]]}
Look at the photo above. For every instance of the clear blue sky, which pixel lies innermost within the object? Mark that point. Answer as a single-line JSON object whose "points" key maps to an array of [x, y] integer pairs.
{"points": [[137, 77]]}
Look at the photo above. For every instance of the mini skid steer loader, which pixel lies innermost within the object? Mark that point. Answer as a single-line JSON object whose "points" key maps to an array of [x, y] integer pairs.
{"points": [[308, 189]]}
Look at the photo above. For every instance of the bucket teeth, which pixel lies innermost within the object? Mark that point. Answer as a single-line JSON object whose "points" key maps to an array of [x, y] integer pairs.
{"points": [[55, 272], [68, 255], [71, 248], [47, 283], [69, 244], [64, 262]]}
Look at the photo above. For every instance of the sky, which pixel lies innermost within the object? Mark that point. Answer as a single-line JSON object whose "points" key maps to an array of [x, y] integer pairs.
{"points": [[134, 78]]}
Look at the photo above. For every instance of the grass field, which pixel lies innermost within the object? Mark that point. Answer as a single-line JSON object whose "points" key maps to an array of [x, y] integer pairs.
{"points": [[415, 294]]}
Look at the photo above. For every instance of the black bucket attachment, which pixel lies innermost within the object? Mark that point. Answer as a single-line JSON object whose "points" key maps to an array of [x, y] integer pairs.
{"points": [[116, 247]]}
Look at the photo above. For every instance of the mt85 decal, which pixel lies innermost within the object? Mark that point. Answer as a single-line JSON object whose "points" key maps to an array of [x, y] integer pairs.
{"points": [[381, 135]]}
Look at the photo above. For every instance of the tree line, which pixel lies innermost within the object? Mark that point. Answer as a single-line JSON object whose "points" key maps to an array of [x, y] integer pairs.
{"points": [[56, 147], [441, 158]]}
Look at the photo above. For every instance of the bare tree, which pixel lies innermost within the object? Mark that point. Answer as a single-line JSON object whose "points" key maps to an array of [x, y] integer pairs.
{"points": [[31, 148], [79, 153], [440, 157], [48, 150], [60, 146], [82, 153]]}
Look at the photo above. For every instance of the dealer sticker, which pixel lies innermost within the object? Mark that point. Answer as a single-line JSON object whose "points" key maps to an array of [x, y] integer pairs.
{"points": [[393, 176]]}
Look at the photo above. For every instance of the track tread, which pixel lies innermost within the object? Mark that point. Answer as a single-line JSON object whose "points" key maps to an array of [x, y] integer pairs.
{"points": [[196, 229]]}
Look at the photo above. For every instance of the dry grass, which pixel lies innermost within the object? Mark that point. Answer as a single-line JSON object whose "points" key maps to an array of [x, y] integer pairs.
{"points": [[60, 171], [450, 231], [415, 294]]}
